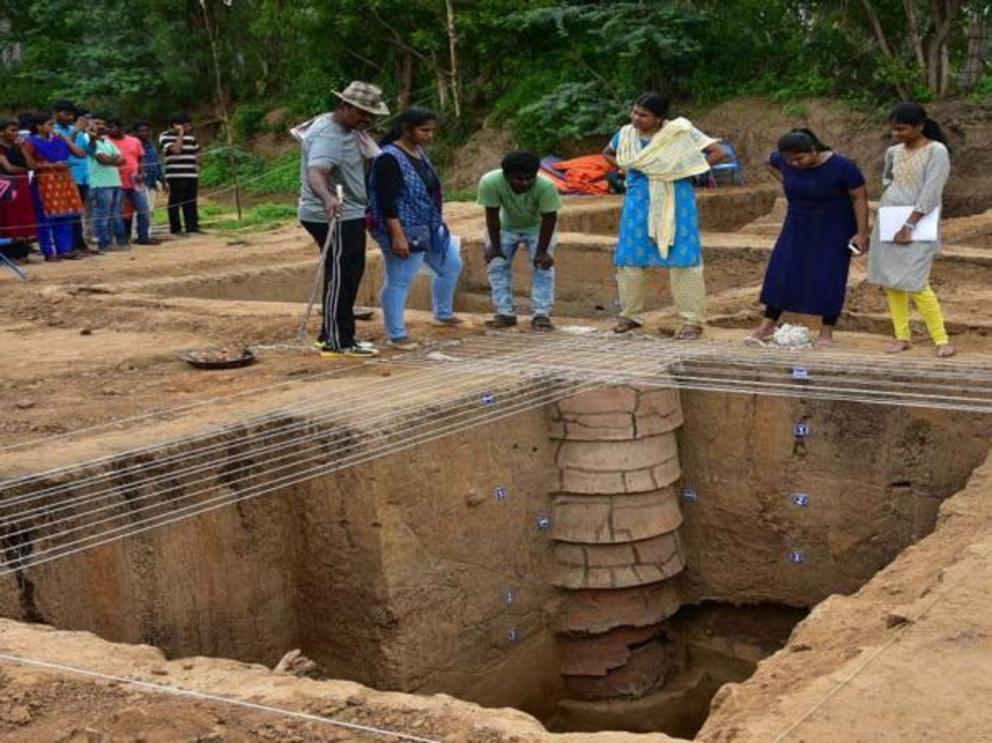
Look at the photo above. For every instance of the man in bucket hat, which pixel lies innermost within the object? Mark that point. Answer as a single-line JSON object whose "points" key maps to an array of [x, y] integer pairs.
{"points": [[334, 150]]}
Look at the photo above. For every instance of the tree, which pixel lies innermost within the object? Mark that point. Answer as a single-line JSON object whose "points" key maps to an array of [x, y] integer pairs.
{"points": [[932, 30]]}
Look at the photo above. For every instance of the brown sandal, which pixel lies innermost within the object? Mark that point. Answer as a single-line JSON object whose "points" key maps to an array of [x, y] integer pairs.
{"points": [[625, 325], [688, 332]]}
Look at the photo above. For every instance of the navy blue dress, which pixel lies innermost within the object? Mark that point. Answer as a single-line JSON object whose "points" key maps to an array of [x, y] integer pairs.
{"points": [[807, 272]]}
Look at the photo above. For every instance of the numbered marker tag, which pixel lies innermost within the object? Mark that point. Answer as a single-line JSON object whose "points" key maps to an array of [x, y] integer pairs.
{"points": [[508, 597], [543, 521], [800, 430], [501, 493], [800, 372], [689, 495], [513, 635], [800, 500], [797, 557], [488, 398]]}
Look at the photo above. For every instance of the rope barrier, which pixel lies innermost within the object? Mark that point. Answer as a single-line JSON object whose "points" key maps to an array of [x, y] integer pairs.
{"points": [[390, 414]]}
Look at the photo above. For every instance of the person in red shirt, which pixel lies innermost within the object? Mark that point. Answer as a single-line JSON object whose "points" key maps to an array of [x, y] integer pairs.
{"points": [[132, 180]]}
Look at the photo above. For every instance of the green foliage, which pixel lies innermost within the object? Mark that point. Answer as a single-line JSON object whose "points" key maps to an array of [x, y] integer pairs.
{"points": [[551, 71], [573, 111], [599, 56], [257, 175], [248, 120], [982, 92]]}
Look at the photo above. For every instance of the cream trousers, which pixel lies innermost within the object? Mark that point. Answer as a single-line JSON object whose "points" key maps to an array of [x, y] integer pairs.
{"points": [[688, 292]]}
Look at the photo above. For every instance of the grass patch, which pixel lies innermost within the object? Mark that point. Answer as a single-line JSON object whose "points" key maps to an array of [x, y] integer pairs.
{"points": [[464, 194], [262, 215]]}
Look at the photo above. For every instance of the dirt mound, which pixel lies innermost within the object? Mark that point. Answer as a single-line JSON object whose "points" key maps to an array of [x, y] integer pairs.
{"points": [[479, 155], [754, 125]]}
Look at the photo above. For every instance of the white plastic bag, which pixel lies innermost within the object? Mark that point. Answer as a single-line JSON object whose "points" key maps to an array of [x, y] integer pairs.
{"points": [[792, 336]]}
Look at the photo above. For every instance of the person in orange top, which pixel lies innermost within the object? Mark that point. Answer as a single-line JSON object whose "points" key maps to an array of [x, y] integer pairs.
{"points": [[132, 180], [54, 193]]}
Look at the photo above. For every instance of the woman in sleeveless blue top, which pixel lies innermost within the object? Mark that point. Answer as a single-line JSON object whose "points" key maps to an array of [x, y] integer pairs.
{"points": [[827, 212], [405, 202]]}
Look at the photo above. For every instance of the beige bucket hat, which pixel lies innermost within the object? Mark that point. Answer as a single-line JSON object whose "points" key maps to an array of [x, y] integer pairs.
{"points": [[365, 96]]}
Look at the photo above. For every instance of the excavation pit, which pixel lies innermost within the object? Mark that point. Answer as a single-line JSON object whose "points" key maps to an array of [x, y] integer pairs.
{"points": [[602, 555], [604, 561]]}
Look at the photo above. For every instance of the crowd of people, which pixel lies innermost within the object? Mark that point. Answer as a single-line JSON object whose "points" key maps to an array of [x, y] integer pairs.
{"points": [[78, 183], [827, 222]]}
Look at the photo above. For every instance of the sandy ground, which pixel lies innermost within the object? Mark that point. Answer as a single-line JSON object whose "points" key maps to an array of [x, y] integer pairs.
{"points": [[81, 345]]}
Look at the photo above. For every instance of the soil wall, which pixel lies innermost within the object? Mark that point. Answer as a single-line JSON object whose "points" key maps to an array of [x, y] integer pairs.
{"points": [[772, 517], [393, 573]]}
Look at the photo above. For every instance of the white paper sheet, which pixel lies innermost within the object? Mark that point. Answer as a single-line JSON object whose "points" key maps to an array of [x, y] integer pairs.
{"points": [[892, 218]]}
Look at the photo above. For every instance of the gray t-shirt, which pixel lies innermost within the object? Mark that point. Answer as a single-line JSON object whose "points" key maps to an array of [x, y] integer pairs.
{"points": [[329, 144]]}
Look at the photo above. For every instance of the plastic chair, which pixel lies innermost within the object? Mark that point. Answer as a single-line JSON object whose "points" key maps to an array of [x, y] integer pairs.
{"points": [[7, 263], [731, 166]]}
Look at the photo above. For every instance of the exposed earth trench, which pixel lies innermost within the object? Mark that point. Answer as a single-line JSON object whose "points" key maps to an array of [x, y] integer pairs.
{"points": [[675, 562]]}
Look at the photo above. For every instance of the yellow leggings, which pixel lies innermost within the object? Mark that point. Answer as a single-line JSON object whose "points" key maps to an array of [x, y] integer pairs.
{"points": [[926, 304]]}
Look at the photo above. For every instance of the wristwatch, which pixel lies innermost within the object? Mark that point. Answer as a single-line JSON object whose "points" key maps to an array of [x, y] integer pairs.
{"points": [[909, 226]]}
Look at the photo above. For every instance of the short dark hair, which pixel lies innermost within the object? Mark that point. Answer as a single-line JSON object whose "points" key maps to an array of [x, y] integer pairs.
{"points": [[654, 102], [111, 120], [180, 117], [138, 124], [4, 123], [63, 105], [99, 115], [521, 162]]}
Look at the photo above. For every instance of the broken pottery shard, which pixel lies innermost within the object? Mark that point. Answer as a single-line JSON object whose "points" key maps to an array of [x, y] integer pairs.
{"points": [[646, 671], [597, 655], [601, 610], [294, 663]]}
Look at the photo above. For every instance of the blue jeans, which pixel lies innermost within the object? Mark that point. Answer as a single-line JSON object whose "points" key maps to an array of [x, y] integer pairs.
{"points": [[400, 272], [500, 270], [142, 214], [107, 219]]}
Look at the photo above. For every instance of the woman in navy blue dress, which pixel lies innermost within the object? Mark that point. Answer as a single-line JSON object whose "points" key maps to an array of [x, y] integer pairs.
{"points": [[828, 210]]}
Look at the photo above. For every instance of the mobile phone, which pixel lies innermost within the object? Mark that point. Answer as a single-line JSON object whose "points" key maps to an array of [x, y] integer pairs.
{"points": [[852, 246]]}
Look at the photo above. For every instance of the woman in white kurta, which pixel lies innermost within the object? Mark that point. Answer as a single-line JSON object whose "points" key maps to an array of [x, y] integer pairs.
{"points": [[916, 170]]}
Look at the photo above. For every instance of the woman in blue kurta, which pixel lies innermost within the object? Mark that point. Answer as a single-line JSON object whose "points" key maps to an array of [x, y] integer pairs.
{"points": [[659, 224], [828, 211]]}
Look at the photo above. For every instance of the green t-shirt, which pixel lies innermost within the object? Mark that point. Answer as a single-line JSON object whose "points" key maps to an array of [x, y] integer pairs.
{"points": [[520, 212], [104, 176]]}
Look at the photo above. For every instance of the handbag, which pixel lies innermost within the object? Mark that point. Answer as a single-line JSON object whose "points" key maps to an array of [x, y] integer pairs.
{"points": [[419, 238]]}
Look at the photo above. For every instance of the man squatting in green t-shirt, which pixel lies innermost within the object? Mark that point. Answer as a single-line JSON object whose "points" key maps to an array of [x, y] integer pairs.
{"points": [[521, 209]]}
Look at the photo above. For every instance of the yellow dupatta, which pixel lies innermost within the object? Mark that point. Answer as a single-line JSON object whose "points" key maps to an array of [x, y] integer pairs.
{"points": [[674, 153]]}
